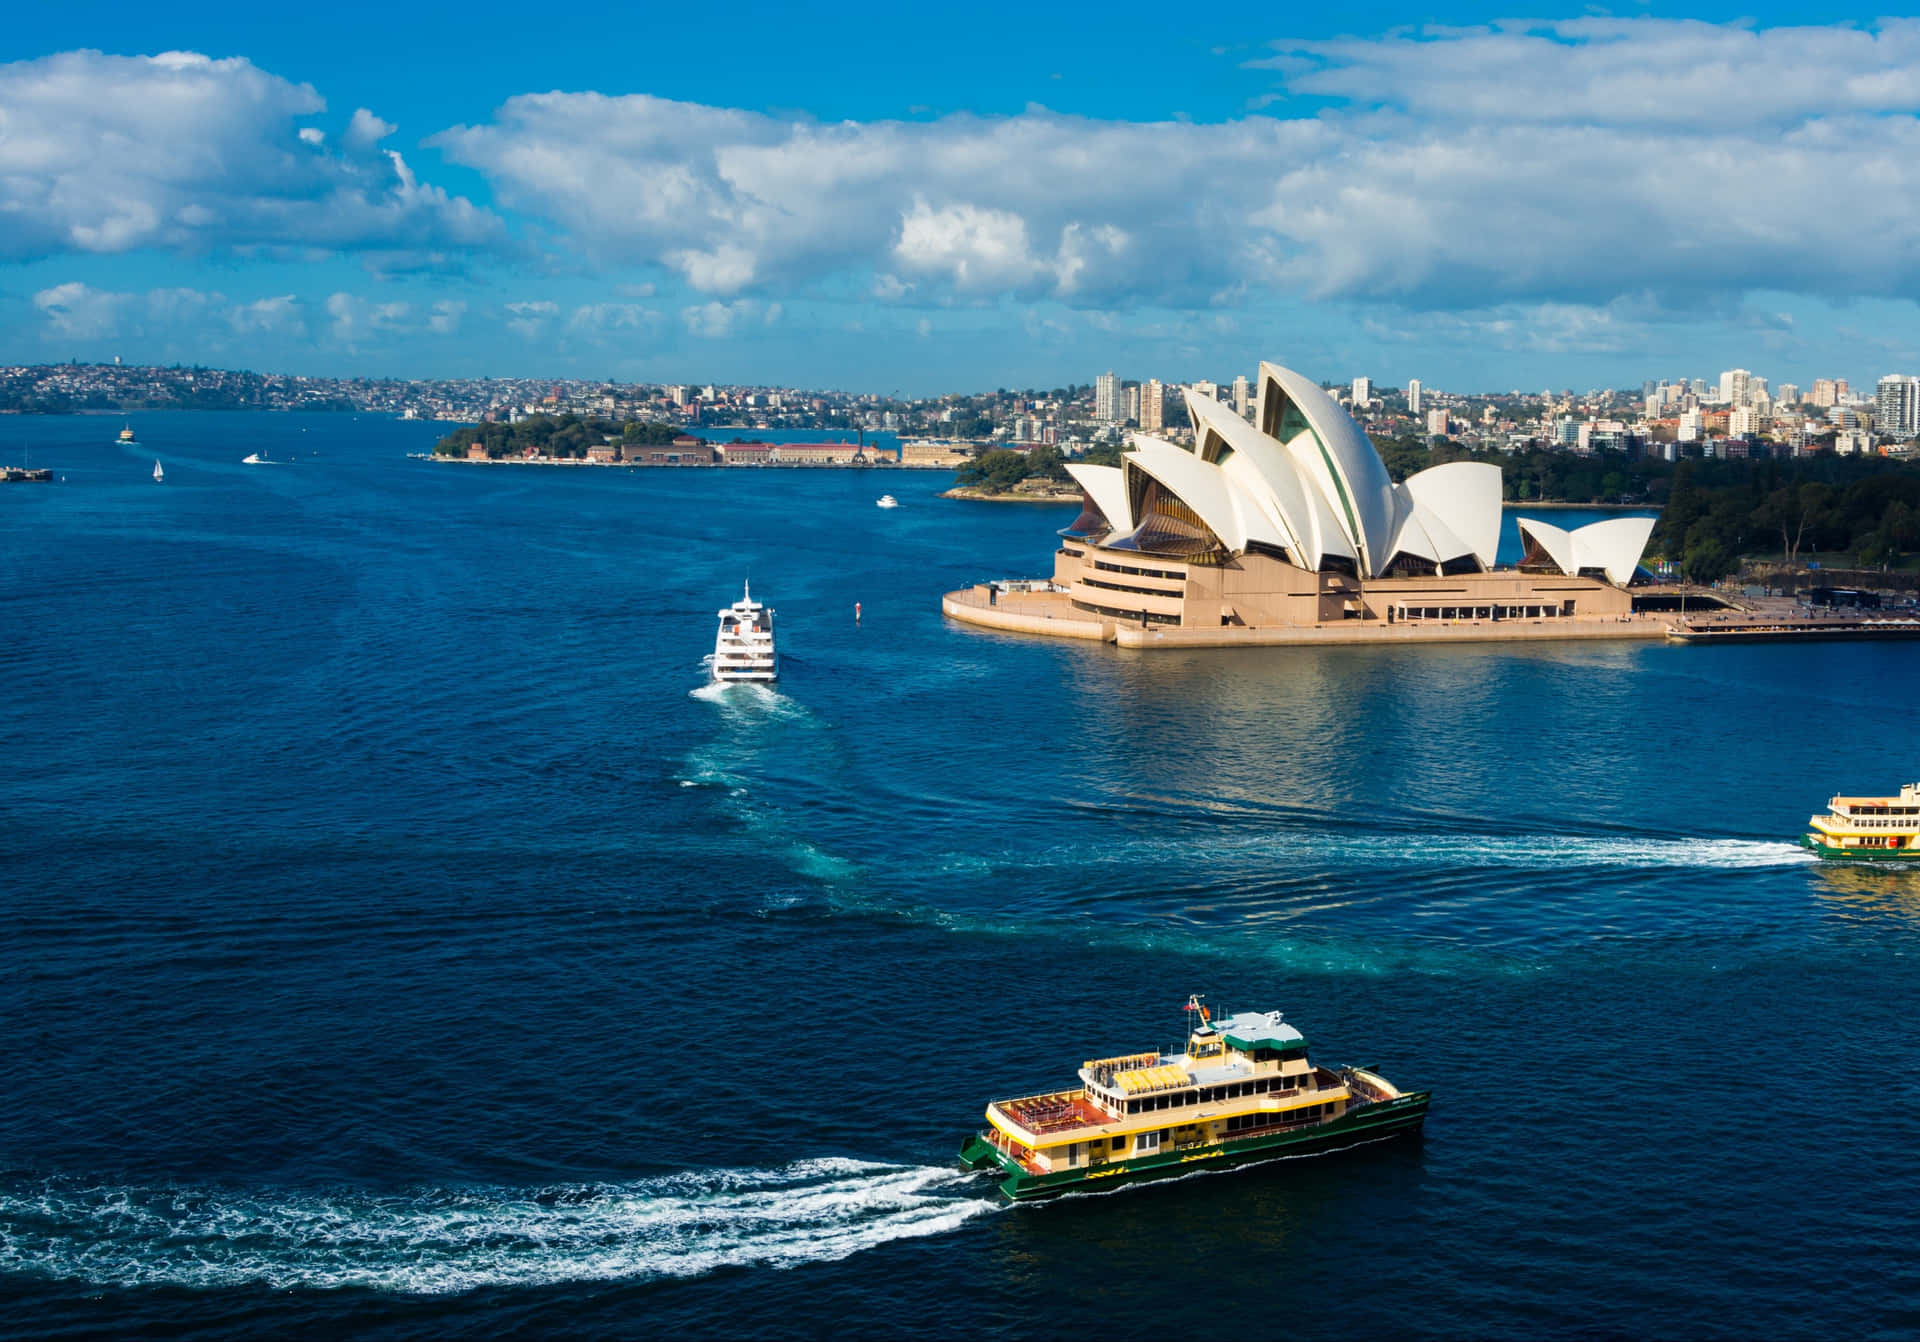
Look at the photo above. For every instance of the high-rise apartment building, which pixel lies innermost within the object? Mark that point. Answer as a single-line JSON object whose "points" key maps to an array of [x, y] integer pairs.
{"points": [[1210, 390], [1240, 401], [1106, 397], [1824, 393], [1413, 397], [1153, 406], [1789, 393], [1362, 392], [1130, 402], [1896, 406], [1437, 423], [1743, 422], [1689, 429], [1735, 386]]}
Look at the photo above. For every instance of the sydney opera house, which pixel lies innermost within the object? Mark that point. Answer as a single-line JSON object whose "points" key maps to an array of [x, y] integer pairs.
{"points": [[1291, 524]]}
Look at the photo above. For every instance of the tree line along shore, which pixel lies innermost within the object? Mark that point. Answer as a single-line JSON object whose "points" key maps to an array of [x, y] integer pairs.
{"points": [[1855, 512]]}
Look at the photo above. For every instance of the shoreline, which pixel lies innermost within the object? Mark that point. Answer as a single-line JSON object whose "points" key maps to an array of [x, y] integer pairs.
{"points": [[973, 494]]}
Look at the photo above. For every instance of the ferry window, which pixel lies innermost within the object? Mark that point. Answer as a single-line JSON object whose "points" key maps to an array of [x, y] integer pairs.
{"points": [[1133, 1106], [1166, 1134]]}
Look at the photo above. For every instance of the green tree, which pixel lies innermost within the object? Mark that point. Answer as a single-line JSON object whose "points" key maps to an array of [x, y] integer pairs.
{"points": [[1707, 558]]}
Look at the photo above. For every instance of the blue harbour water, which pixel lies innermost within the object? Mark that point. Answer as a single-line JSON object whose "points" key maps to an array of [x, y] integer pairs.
{"points": [[402, 943]]}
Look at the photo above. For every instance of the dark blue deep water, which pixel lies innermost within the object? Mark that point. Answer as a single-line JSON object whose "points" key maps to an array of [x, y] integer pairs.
{"points": [[400, 943]]}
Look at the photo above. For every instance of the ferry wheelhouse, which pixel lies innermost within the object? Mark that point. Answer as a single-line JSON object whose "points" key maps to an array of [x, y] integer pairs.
{"points": [[1243, 1090], [743, 649], [1868, 829]]}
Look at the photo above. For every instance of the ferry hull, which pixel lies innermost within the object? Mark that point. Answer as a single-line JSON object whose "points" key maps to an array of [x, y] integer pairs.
{"points": [[1833, 854], [1374, 1122]]}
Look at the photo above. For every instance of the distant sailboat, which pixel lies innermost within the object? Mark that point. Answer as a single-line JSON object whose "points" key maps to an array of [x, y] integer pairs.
{"points": [[255, 459], [159, 476]]}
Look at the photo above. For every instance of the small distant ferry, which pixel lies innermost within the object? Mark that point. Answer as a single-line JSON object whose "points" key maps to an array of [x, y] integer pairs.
{"points": [[744, 649], [1243, 1090], [886, 501], [1868, 829], [127, 438]]}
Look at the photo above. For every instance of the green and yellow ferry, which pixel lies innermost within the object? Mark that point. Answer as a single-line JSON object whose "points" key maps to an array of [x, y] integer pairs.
{"points": [[1868, 829], [1243, 1091]]}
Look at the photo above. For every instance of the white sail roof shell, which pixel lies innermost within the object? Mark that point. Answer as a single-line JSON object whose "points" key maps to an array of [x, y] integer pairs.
{"points": [[1464, 496], [1107, 487], [1613, 546], [1269, 478], [1343, 463], [1424, 535], [1229, 512]]}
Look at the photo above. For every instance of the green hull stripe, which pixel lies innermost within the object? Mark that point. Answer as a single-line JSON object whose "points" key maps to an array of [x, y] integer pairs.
{"points": [[1832, 853]]}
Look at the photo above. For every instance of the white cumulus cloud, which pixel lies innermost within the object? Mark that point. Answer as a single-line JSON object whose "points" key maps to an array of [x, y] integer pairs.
{"points": [[1568, 162], [182, 152]]}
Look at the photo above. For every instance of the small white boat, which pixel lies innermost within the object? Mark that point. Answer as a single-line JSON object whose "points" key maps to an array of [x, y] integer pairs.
{"points": [[159, 476], [886, 501], [743, 649], [254, 459]]}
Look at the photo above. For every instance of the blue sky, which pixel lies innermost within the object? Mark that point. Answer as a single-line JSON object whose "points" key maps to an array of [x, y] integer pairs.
{"points": [[918, 200]]}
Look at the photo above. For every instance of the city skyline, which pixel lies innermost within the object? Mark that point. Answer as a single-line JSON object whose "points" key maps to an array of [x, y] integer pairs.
{"points": [[1558, 202]]}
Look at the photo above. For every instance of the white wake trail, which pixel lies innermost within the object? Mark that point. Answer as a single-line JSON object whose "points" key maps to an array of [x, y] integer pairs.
{"points": [[442, 1241]]}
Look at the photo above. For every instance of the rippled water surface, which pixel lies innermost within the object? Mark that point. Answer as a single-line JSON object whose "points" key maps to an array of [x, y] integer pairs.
{"points": [[402, 942]]}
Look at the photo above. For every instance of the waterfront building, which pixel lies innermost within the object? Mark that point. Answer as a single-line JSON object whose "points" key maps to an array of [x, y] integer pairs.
{"points": [[1106, 398], [1896, 406], [1293, 523], [1153, 411], [1413, 398]]}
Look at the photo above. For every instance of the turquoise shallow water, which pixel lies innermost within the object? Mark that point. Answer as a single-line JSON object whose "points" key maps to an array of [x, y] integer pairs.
{"points": [[402, 941]]}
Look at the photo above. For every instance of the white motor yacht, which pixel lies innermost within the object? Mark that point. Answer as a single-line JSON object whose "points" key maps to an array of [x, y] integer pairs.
{"points": [[886, 501], [744, 650]]}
